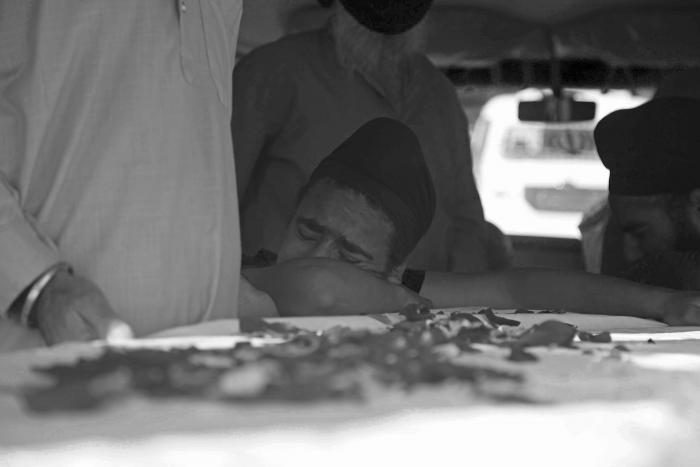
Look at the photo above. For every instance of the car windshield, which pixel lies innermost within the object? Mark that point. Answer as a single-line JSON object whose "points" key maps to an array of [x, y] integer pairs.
{"points": [[539, 178], [522, 142]]}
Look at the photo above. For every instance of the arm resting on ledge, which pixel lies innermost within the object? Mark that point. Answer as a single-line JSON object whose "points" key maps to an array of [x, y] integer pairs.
{"points": [[316, 286], [574, 291]]}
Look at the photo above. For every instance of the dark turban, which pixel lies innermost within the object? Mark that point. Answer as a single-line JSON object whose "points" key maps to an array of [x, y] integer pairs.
{"points": [[387, 16], [652, 149], [383, 160]]}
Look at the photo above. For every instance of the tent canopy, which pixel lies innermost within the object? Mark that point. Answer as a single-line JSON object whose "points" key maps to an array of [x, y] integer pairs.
{"points": [[467, 33]]}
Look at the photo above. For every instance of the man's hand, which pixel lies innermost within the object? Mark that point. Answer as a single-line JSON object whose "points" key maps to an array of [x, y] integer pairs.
{"points": [[404, 297], [71, 308], [682, 309]]}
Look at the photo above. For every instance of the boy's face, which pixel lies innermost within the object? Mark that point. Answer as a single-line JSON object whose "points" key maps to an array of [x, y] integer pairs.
{"points": [[332, 222], [650, 225]]}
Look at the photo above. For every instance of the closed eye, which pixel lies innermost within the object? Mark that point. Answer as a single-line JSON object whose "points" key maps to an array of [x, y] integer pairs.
{"points": [[355, 251], [634, 229], [307, 229], [350, 258], [305, 233]]}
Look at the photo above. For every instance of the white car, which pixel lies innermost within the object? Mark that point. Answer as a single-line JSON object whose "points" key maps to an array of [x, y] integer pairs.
{"points": [[537, 178]]}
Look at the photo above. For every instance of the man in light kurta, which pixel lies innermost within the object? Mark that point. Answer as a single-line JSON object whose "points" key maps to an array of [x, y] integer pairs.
{"points": [[116, 163]]}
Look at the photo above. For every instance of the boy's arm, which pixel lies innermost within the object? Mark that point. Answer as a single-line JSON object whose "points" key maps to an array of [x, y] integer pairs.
{"points": [[574, 291], [316, 286]]}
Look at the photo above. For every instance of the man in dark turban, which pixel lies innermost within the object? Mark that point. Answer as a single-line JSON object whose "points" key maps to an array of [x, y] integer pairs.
{"points": [[367, 204], [653, 154], [381, 166], [345, 250], [298, 97]]}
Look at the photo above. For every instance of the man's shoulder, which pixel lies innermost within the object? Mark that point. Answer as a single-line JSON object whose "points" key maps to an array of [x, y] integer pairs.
{"points": [[287, 52], [434, 83], [427, 70]]}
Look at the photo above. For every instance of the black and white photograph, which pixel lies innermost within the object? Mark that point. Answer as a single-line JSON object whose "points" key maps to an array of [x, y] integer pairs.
{"points": [[261, 233]]}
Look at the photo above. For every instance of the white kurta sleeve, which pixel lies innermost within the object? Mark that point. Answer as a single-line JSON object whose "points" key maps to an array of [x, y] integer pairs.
{"points": [[24, 253]]}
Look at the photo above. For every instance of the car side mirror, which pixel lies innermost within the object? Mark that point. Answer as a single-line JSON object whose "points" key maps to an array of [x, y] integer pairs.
{"points": [[556, 109]]}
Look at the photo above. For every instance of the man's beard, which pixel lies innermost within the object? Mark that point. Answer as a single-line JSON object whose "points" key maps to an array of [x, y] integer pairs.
{"points": [[381, 58], [687, 236]]}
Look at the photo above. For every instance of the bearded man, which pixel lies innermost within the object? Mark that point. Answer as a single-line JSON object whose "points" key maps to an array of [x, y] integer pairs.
{"points": [[652, 154], [298, 97]]}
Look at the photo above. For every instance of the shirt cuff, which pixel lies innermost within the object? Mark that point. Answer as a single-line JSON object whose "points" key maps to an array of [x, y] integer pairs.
{"points": [[24, 256]]}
